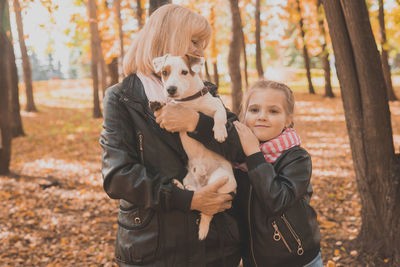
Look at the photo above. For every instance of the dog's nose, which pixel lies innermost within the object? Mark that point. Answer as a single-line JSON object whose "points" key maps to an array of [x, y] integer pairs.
{"points": [[172, 90]]}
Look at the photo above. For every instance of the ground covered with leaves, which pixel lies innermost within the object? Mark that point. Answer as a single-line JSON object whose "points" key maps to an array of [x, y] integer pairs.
{"points": [[55, 212]]}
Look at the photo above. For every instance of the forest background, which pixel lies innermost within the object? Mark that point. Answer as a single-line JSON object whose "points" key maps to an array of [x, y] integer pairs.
{"points": [[58, 58]]}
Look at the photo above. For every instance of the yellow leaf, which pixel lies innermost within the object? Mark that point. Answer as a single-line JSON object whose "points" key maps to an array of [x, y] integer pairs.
{"points": [[328, 224], [336, 252]]}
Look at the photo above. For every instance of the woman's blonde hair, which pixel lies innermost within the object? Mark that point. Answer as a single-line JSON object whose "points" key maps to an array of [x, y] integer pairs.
{"points": [[267, 84], [169, 30]]}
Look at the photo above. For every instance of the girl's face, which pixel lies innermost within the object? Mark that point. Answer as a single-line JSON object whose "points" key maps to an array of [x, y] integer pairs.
{"points": [[266, 115], [196, 48]]}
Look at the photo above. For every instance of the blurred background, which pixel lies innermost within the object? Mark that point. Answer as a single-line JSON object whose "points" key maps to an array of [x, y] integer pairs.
{"points": [[55, 210]]}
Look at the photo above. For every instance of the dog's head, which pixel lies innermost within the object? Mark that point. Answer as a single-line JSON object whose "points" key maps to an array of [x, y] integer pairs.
{"points": [[180, 75]]}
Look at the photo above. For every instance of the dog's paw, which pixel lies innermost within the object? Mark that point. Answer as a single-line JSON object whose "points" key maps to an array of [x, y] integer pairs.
{"points": [[203, 231], [156, 106], [178, 184], [220, 133], [190, 187]]}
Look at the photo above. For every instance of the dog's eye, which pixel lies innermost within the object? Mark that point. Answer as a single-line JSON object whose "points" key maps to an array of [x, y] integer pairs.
{"points": [[184, 72], [165, 73]]}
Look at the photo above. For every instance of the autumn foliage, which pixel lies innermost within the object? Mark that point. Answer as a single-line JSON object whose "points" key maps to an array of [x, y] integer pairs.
{"points": [[55, 211]]}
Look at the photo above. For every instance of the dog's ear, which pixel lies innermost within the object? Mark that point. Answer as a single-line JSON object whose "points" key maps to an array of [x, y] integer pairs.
{"points": [[158, 63], [197, 64]]}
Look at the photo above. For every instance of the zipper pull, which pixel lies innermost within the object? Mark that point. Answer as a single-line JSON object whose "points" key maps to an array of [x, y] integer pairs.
{"points": [[300, 250], [277, 235], [141, 142], [140, 137]]}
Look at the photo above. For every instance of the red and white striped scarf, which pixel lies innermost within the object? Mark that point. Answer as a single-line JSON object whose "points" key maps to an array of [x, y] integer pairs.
{"points": [[273, 148]]}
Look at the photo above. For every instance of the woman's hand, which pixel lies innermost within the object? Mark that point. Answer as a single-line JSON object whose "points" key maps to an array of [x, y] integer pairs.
{"points": [[249, 141], [208, 201], [177, 118]]}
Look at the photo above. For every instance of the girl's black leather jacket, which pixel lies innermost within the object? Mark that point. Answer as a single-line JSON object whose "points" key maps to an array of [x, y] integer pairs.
{"points": [[278, 226], [156, 225], [276, 220]]}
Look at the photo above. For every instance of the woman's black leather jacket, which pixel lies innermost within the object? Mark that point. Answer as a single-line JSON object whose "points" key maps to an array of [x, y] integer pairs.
{"points": [[139, 160]]}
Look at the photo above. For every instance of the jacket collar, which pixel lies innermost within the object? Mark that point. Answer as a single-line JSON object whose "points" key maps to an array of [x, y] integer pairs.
{"points": [[133, 90]]}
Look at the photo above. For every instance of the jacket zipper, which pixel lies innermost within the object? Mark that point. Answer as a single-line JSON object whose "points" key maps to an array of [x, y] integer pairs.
{"points": [[300, 249], [248, 217], [140, 136], [278, 236]]}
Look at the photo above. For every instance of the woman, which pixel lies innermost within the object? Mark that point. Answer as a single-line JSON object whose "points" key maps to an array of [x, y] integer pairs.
{"points": [[158, 222]]}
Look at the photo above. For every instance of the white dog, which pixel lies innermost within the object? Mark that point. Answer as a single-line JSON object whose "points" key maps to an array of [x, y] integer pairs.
{"points": [[182, 83]]}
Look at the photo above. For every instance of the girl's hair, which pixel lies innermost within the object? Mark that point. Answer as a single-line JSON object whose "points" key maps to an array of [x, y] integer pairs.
{"points": [[169, 30], [263, 85]]}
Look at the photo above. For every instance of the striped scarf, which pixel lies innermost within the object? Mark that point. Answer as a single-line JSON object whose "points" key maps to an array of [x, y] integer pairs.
{"points": [[273, 148]]}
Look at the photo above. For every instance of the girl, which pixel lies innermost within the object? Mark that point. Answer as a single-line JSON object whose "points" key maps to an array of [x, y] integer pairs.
{"points": [[274, 182]]}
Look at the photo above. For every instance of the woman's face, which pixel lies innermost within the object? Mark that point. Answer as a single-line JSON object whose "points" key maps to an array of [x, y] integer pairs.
{"points": [[196, 48]]}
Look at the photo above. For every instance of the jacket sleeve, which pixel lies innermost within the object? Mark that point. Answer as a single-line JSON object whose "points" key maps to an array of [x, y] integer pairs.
{"points": [[231, 148], [124, 176], [278, 191]]}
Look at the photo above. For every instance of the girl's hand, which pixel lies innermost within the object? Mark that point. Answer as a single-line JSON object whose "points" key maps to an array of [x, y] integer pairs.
{"points": [[176, 118], [249, 141]]}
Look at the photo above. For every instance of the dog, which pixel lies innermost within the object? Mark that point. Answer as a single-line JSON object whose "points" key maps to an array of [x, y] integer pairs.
{"points": [[183, 84]]}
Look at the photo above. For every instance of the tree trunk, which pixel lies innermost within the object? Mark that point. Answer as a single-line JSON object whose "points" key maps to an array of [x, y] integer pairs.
{"points": [[5, 126], [95, 57], [12, 79], [102, 67], [246, 78], [233, 59], [207, 72], [324, 52], [139, 14], [117, 8], [216, 77], [113, 70], [213, 45], [260, 70], [305, 50], [26, 65], [385, 54], [367, 115], [154, 4], [16, 122]]}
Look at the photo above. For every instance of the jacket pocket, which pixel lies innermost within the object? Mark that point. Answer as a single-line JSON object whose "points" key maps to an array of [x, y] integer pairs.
{"points": [[294, 235], [289, 228], [138, 235], [293, 229], [278, 236]]}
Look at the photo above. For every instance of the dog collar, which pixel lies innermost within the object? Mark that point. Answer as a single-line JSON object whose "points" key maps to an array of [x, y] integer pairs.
{"points": [[196, 95]]}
